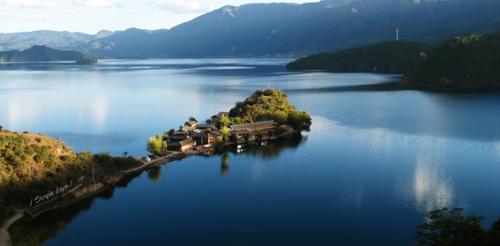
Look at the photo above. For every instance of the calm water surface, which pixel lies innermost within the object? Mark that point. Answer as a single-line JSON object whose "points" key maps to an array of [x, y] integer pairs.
{"points": [[372, 165]]}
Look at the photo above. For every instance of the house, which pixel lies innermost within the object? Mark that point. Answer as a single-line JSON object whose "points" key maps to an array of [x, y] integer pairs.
{"points": [[240, 137], [203, 137], [251, 132], [189, 126], [257, 126], [179, 136], [181, 145], [206, 126]]}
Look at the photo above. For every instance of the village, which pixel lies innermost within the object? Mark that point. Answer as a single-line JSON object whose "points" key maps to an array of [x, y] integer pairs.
{"points": [[200, 137]]}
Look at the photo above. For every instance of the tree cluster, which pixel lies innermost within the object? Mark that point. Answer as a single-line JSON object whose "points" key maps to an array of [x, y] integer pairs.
{"points": [[468, 61], [449, 227], [270, 104]]}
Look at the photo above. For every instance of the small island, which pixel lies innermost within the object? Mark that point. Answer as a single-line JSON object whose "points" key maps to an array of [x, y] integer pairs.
{"points": [[264, 116], [39, 53]]}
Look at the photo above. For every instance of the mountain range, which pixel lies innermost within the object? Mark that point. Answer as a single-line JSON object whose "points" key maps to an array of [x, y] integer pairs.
{"points": [[282, 29], [45, 54]]}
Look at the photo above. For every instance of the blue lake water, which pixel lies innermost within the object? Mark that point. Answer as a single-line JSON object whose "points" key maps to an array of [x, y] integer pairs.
{"points": [[373, 163]]}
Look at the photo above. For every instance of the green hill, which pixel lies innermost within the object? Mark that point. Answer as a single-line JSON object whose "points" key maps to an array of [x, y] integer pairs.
{"points": [[32, 164], [387, 57], [466, 62], [45, 54], [269, 104]]}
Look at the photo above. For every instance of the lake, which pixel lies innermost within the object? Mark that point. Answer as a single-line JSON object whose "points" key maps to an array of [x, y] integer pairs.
{"points": [[373, 163]]}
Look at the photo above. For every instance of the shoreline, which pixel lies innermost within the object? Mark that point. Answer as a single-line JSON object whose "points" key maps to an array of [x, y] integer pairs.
{"points": [[187, 141], [81, 192], [111, 181], [403, 86]]}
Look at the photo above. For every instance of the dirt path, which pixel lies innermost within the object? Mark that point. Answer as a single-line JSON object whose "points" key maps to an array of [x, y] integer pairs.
{"points": [[4, 233]]}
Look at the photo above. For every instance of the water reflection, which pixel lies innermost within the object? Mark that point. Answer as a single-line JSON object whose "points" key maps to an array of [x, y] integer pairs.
{"points": [[224, 164], [272, 150], [432, 188], [368, 155], [154, 174], [36, 231]]}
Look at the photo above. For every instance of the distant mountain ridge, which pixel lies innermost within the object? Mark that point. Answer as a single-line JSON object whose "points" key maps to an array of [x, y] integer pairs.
{"points": [[45, 54], [53, 39], [284, 29]]}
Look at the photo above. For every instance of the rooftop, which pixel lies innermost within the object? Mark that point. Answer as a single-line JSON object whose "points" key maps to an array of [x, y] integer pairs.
{"points": [[254, 125]]}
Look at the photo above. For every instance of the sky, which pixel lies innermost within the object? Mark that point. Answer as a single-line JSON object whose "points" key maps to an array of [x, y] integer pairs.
{"points": [[91, 16]]}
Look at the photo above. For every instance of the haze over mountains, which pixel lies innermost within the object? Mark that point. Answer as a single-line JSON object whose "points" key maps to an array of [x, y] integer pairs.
{"points": [[45, 54], [281, 29]]}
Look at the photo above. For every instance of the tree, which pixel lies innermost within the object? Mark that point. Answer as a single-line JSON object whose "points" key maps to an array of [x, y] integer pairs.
{"points": [[451, 228], [299, 120], [494, 234], [225, 131], [156, 145], [270, 104], [224, 121], [280, 117], [193, 119]]}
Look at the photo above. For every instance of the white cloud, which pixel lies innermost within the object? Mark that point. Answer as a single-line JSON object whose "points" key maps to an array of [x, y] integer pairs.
{"points": [[95, 15], [28, 3], [97, 3], [187, 6], [174, 6]]}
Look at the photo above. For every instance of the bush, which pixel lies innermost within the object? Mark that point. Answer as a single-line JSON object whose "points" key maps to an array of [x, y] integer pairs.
{"points": [[299, 120], [237, 121], [224, 121], [156, 145]]}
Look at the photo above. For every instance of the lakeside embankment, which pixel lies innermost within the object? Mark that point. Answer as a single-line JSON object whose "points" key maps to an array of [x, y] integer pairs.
{"points": [[80, 192]]}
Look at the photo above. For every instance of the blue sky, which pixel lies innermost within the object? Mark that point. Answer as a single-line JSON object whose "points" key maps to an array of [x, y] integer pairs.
{"points": [[90, 16]]}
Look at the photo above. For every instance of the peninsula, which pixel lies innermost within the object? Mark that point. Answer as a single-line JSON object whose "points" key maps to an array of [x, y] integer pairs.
{"points": [[387, 57], [462, 63], [39, 173]]}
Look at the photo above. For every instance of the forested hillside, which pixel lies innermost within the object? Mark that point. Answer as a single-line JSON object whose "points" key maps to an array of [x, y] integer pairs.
{"points": [[387, 57], [465, 62]]}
